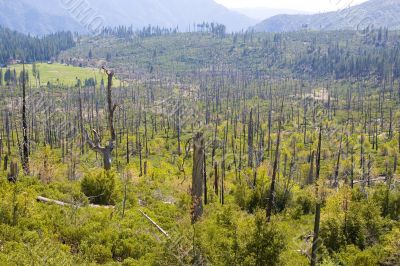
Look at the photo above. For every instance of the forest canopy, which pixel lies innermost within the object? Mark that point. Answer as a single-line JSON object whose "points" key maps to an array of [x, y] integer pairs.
{"points": [[18, 46]]}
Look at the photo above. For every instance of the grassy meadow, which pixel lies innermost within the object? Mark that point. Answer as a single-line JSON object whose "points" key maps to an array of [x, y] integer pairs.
{"points": [[59, 74]]}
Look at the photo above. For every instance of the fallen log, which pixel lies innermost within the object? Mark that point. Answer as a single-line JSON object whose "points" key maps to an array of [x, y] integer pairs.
{"points": [[65, 204], [154, 223], [57, 202], [373, 180]]}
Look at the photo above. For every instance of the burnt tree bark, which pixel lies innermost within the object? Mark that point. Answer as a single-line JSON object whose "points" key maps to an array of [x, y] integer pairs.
{"points": [[216, 178], [205, 178], [310, 178], [25, 147], [315, 244], [250, 135], [337, 167], [271, 197], [197, 176]]}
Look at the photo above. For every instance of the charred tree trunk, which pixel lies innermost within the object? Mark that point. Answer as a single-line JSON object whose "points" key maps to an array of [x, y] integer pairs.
{"points": [[271, 197], [216, 178], [250, 140], [205, 179], [81, 123], [25, 144], [7, 122], [197, 176], [315, 244], [310, 178], [336, 181]]}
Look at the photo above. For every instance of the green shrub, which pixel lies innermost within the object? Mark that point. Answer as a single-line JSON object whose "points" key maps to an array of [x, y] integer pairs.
{"points": [[99, 187], [353, 256], [305, 201], [388, 201], [266, 243], [332, 234], [100, 253]]}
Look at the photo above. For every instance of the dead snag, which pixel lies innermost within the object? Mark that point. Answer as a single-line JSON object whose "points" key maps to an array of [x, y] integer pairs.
{"points": [[315, 244], [94, 143], [197, 176], [25, 148], [271, 197], [250, 140]]}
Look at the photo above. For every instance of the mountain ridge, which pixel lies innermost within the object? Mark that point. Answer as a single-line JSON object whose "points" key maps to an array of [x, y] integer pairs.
{"points": [[261, 13], [379, 13], [40, 17]]}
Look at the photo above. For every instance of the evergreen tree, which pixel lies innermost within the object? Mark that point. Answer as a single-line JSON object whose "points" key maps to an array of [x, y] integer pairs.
{"points": [[15, 45], [8, 77]]}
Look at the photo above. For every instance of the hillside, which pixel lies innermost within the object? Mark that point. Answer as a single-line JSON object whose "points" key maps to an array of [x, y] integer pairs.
{"points": [[262, 13], [41, 18], [18, 46], [35, 17], [319, 54], [380, 13]]}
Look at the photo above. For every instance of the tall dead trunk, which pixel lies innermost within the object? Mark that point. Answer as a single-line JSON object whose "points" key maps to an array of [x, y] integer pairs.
{"points": [[81, 122], [6, 158], [315, 244], [271, 197], [205, 179], [197, 176], [25, 143], [250, 135], [216, 178], [1, 150], [362, 161], [336, 181], [127, 146], [310, 178]]}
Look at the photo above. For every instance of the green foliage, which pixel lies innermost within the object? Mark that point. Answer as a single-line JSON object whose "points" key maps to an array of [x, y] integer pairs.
{"points": [[99, 186], [388, 201], [99, 254], [353, 256], [304, 203], [18, 46], [392, 248], [361, 226], [56, 73], [266, 243], [228, 237], [255, 198], [332, 234]]}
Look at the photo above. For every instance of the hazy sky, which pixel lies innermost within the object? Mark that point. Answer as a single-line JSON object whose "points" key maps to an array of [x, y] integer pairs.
{"points": [[304, 5]]}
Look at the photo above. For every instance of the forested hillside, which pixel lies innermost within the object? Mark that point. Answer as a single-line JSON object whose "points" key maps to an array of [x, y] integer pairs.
{"points": [[338, 54], [210, 149], [17, 46]]}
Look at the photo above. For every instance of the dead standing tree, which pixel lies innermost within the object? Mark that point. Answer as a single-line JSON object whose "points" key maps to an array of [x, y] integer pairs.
{"points": [[197, 176], [316, 240], [271, 197], [25, 146], [95, 144]]}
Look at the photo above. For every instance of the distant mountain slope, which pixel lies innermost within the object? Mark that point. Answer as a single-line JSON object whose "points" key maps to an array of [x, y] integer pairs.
{"points": [[45, 16], [35, 17], [380, 13], [260, 13]]}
